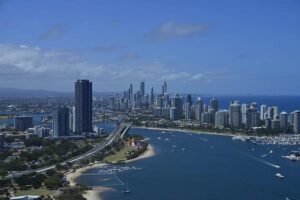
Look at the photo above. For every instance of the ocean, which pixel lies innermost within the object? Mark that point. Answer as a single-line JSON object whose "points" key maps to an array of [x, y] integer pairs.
{"points": [[193, 166]]}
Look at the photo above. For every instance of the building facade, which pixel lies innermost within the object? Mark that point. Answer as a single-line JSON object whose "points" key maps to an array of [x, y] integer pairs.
{"points": [[83, 106], [22, 123], [61, 122]]}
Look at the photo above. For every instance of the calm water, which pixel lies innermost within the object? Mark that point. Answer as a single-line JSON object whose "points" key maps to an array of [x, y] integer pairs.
{"points": [[210, 167], [37, 118]]}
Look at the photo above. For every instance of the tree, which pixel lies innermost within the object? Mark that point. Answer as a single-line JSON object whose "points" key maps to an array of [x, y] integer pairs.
{"points": [[51, 172], [53, 182]]}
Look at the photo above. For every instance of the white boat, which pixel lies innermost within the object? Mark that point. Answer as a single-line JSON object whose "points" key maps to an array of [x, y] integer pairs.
{"points": [[278, 175], [271, 151], [163, 132], [159, 138]]}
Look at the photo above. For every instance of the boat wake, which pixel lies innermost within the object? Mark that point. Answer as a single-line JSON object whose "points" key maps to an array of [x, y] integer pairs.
{"points": [[203, 139], [268, 163], [262, 161]]}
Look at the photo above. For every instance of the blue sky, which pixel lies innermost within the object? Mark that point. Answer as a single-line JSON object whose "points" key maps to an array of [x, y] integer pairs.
{"points": [[212, 46]]}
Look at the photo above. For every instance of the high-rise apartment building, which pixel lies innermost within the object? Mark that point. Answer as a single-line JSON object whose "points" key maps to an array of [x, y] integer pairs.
{"points": [[83, 106]]}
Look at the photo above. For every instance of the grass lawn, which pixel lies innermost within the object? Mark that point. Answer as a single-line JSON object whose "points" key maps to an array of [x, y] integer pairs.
{"points": [[119, 156], [4, 117], [38, 192]]}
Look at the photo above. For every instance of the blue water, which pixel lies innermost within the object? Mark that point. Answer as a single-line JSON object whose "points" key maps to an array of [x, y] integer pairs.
{"points": [[37, 118], [211, 167]]}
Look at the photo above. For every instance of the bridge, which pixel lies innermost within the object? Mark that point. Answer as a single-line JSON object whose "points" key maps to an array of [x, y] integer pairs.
{"points": [[116, 134]]}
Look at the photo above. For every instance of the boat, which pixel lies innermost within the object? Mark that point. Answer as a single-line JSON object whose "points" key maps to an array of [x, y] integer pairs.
{"points": [[271, 151], [279, 175], [163, 132], [126, 191]]}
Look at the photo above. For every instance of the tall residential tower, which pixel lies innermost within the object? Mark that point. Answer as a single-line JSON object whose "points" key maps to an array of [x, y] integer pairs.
{"points": [[83, 106]]}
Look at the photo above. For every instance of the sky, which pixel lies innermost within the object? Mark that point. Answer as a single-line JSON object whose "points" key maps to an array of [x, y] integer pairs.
{"points": [[209, 47]]}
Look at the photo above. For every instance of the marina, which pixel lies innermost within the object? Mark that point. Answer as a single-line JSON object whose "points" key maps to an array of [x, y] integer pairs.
{"points": [[189, 161]]}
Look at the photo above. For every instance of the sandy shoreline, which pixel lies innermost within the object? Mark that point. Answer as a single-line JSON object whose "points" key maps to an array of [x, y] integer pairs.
{"points": [[147, 154], [95, 193], [186, 131]]}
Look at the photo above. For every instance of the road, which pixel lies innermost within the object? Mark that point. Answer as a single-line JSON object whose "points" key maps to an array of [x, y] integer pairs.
{"points": [[118, 132]]}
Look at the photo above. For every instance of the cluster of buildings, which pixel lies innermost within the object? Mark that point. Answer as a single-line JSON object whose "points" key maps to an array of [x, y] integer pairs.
{"points": [[237, 116], [64, 117], [76, 119]]}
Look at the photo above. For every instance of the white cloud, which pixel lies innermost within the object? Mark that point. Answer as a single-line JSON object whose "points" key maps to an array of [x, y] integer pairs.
{"points": [[177, 76], [171, 30], [27, 64], [198, 76]]}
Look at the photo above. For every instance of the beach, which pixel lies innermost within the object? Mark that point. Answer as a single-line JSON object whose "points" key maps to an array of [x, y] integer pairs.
{"points": [[150, 152], [95, 193], [186, 131]]}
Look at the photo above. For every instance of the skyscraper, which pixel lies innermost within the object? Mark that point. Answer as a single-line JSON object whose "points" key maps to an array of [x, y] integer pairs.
{"points": [[72, 119], [221, 119], [174, 113], [198, 109], [151, 97], [214, 104], [142, 88], [244, 112], [235, 115], [165, 87], [131, 92], [252, 117], [276, 112], [297, 121], [177, 103], [263, 110], [284, 121], [83, 106], [61, 124], [187, 111], [189, 99], [275, 124], [270, 111]]}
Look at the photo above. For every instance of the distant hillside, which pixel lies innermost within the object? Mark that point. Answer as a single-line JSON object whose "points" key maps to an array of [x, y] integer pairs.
{"points": [[15, 92]]}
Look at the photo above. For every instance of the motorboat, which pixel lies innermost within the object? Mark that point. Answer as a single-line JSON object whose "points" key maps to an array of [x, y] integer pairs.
{"points": [[278, 175]]}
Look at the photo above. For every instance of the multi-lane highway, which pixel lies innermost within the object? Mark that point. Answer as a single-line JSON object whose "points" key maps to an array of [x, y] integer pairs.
{"points": [[117, 133]]}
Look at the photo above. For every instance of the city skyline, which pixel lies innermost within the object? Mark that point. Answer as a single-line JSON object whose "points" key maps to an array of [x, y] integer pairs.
{"points": [[210, 48]]}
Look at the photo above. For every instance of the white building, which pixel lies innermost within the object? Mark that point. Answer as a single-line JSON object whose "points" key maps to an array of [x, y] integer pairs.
{"points": [[235, 115], [297, 121], [244, 112], [221, 119], [263, 110], [283, 121]]}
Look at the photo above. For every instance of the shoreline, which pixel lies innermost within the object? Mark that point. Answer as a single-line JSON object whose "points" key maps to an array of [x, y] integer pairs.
{"points": [[150, 152], [95, 192], [187, 131]]}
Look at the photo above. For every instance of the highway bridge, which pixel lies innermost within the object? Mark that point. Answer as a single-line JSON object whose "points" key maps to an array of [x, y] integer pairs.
{"points": [[116, 134]]}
